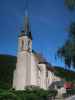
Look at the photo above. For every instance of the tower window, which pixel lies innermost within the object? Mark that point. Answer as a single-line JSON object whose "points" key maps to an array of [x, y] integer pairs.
{"points": [[22, 46]]}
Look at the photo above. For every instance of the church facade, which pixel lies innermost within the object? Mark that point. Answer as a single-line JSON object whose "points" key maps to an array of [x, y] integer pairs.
{"points": [[31, 68]]}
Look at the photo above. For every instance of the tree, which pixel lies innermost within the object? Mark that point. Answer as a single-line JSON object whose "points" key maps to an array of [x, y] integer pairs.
{"points": [[67, 51], [70, 4]]}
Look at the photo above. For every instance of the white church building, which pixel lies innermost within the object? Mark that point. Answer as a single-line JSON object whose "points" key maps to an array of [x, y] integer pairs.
{"points": [[31, 68]]}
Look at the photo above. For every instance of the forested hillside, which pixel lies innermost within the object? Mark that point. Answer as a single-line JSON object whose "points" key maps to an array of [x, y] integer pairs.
{"points": [[7, 65]]}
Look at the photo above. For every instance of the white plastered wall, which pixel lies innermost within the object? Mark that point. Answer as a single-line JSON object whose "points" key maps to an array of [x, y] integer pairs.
{"points": [[22, 71], [43, 76], [33, 70]]}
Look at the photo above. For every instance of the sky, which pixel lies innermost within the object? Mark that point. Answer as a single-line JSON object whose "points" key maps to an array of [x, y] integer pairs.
{"points": [[49, 20]]}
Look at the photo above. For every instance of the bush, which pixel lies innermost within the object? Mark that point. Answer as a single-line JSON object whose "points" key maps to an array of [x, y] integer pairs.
{"points": [[70, 91], [6, 95], [52, 94], [28, 94]]}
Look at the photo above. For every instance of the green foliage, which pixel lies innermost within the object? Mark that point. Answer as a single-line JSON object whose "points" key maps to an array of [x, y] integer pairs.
{"points": [[7, 65], [4, 85], [70, 4], [70, 91], [37, 93], [67, 51], [60, 72], [52, 93], [72, 30], [7, 95], [34, 94], [65, 74]]}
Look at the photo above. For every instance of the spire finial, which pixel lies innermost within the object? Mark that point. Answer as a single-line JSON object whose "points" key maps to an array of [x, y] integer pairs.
{"points": [[26, 18], [26, 7], [26, 12]]}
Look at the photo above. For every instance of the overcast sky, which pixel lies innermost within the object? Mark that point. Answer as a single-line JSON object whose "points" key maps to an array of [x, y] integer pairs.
{"points": [[49, 20]]}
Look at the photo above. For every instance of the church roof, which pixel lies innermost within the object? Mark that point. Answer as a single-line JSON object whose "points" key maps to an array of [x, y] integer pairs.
{"points": [[42, 60], [22, 33], [39, 57]]}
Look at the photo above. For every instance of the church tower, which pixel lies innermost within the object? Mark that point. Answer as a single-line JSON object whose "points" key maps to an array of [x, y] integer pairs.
{"points": [[22, 73], [25, 37]]}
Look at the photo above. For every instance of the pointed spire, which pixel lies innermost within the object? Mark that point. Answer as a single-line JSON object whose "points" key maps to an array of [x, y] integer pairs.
{"points": [[26, 29], [26, 23]]}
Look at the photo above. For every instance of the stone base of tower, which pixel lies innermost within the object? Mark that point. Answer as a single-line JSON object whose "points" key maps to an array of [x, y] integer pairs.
{"points": [[29, 73]]}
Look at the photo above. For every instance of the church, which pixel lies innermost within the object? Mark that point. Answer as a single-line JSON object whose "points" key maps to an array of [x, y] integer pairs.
{"points": [[31, 68]]}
